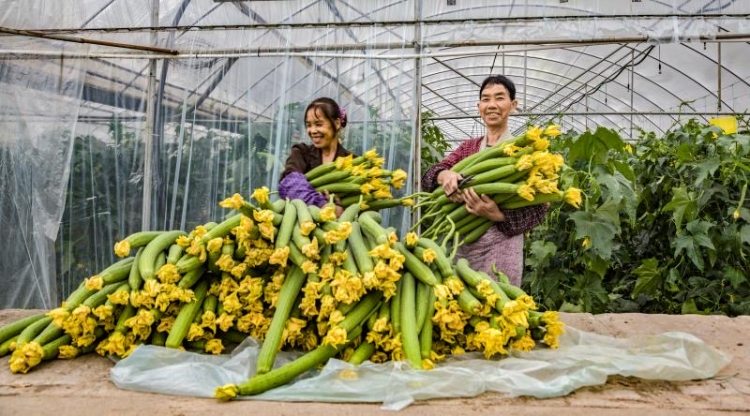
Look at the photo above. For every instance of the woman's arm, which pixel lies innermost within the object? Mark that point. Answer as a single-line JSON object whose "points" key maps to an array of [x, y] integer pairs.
{"points": [[465, 149], [294, 184]]}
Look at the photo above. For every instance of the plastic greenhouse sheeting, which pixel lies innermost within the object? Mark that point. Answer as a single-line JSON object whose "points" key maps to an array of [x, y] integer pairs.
{"points": [[583, 359], [227, 105]]}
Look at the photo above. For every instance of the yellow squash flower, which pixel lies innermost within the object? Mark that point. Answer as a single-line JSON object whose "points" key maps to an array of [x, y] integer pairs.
{"points": [[407, 202], [371, 154], [398, 178], [525, 343], [264, 215], [261, 195], [359, 171], [586, 243], [411, 239], [326, 271], [214, 245], [311, 250], [234, 202], [534, 133], [336, 336], [58, 315], [183, 241], [338, 258], [525, 162], [383, 193], [309, 267], [168, 274], [552, 131], [214, 346], [454, 284], [67, 352], [573, 197], [554, 328], [225, 321], [516, 313], [511, 150], [267, 230], [94, 283], [526, 192], [307, 227], [344, 162], [428, 256], [122, 248], [328, 213], [226, 392], [442, 292], [279, 256]]}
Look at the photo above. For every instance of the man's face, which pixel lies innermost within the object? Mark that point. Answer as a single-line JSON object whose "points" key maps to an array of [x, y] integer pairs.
{"points": [[495, 105]]}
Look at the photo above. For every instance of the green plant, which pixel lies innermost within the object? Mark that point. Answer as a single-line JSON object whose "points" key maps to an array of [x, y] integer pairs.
{"points": [[664, 227], [434, 145]]}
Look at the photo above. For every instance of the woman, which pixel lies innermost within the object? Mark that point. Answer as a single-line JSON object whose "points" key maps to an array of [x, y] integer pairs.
{"points": [[502, 245], [324, 122]]}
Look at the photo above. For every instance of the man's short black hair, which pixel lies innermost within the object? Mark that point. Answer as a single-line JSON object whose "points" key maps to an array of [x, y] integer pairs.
{"points": [[499, 80]]}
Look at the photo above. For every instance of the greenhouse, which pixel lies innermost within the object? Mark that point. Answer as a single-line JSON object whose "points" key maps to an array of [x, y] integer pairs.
{"points": [[137, 121]]}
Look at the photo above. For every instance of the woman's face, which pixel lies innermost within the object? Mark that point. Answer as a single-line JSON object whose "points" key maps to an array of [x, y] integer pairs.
{"points": [[495, 105], [321, 132]]}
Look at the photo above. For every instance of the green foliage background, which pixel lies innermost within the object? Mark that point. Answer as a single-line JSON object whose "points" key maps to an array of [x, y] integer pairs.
{"points": [[665, 227]]}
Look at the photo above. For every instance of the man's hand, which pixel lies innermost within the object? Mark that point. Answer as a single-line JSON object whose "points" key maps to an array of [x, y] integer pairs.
{"points": [[449, 180], [482, 206]]}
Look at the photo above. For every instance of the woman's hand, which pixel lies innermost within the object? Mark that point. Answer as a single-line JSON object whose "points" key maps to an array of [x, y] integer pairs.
{"points": [[482, 206], [449, 180]]}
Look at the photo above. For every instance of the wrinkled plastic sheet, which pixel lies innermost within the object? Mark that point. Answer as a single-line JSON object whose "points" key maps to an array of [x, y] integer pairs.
{"points": [[583, 359]]}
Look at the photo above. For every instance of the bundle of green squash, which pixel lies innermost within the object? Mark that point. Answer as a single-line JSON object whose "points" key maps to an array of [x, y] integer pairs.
{"points": [[514, 173], [296, 277]]}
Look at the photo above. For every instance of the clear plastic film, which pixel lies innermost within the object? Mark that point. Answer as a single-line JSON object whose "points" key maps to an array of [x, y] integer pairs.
{"points": [[583, 359]]}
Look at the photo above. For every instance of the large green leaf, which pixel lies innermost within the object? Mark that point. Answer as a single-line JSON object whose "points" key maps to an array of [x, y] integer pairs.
{"points": [[595, 146], [690, 242], [735, 277], [619, 190], [683, 206], [625, 169], [600, 227], [649, 278], [540, 253], [705, 169]]}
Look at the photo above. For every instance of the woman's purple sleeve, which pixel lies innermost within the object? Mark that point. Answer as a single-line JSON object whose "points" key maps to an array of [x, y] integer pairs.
{"points": [[295, 186]]}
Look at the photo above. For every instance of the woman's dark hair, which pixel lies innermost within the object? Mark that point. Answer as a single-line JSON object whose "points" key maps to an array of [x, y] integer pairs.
{"points": [[499, 80], [330, 110]]}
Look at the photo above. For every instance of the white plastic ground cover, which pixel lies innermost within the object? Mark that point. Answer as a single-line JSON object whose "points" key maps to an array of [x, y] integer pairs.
{"points": [[583, 359]]}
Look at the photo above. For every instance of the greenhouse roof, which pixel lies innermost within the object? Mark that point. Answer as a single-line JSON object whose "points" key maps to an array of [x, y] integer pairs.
{"points": [[626, 64]]}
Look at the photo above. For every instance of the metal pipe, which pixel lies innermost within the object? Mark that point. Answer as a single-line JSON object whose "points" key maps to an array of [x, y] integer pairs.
{"points": [[718, 76], [76, 39], [370, 24], [416, 166], [304, 50], [148, 128], [603, 113]]}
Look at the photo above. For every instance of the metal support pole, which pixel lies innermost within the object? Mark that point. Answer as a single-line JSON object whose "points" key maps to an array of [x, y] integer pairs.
{"points": [[632, 89], [149, 128], [718, 76], [417, 141]]}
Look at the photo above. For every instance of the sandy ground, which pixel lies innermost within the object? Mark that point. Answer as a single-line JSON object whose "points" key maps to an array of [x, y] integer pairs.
{"points": [[82, 386]]}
